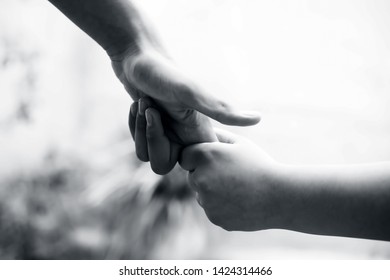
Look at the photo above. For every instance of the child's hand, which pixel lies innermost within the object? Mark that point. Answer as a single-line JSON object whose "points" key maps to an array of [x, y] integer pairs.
{"points": [[236, 183], [150, 74], [158, 137]]}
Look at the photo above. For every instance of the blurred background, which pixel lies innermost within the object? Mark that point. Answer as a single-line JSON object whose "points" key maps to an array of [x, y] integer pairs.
{"points": [[70, 185]]}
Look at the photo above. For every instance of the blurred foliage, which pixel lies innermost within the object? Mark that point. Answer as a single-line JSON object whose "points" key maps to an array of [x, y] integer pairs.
{"points": [[46, 214], [60, 198], [15, 56]]}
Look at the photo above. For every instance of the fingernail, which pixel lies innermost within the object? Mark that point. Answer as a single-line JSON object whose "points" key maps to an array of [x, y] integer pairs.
{"points": [[149, 117], [250, 113], [141, 107]]}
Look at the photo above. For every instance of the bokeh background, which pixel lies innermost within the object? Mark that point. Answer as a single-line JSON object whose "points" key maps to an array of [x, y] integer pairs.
{"points": [[70, 185]]}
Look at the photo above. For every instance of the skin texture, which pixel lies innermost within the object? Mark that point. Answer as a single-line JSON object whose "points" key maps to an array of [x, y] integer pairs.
{"points": [[235, 182], [345, 200], [241, 188], [153, 142], [145, 70], [233, 198]]}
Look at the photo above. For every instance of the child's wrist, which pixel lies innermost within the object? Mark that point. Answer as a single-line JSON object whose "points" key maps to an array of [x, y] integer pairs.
{"points": [[284, 194]]}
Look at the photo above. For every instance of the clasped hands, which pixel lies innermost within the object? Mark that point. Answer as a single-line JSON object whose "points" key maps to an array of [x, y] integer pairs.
{"points": [[237, 184], [169, 123]]}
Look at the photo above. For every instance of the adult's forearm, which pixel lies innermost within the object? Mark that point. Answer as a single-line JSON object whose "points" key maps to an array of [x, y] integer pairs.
{"points": [[115, 24], [351, 201]]}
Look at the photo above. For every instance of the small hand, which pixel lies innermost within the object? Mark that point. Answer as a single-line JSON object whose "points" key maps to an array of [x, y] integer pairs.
{"points": [[235, 182]]}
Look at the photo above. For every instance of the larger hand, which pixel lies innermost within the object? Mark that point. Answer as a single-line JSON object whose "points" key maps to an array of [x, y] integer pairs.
{"points": [[148, 73], [136, 55]]}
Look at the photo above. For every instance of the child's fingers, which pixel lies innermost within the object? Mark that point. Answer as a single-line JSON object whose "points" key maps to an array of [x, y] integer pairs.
{"points": [[163, 153], [132, 118]]}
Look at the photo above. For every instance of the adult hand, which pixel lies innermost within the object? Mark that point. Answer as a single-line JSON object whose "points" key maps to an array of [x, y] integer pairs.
{"points": [[148, 73], [235, 181], [140, 63], [184, 104]]}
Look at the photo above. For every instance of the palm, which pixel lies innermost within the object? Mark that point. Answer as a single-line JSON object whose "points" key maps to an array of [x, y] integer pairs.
{"points": [[152, 75], [182, 104]]}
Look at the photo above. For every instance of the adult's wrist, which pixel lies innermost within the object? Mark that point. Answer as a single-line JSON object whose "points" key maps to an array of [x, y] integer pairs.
{"points": [[123, 59], [118, 52]]}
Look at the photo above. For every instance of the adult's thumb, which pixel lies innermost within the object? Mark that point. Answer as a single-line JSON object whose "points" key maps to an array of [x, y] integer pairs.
{"points": [[217, 109]]}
